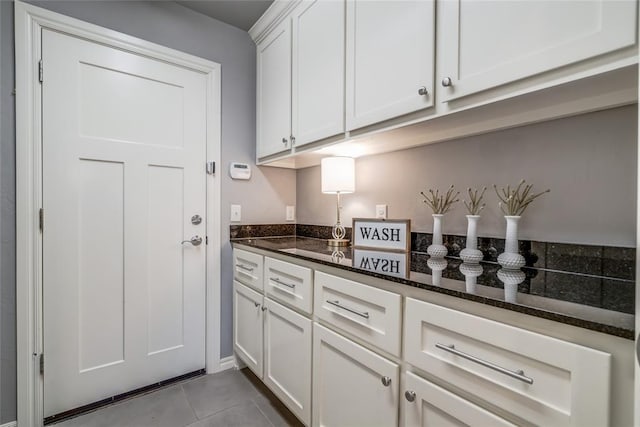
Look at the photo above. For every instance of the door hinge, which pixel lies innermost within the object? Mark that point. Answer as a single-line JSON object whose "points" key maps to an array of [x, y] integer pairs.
{"points": [[40, 71], [41, 219], [211, 168], [42, 364]]}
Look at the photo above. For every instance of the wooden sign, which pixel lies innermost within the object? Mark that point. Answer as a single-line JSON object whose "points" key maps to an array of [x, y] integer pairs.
{"points": [[394, 264], [387, 234]]}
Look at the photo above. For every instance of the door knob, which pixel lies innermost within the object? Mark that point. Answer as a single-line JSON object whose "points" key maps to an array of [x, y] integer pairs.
{"points": [[195, 241]]}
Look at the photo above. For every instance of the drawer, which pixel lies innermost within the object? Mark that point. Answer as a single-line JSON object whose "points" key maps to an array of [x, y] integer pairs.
{"points": [[368, 313], [427, 405], [542, 380], [289, 283], [247, 268]]}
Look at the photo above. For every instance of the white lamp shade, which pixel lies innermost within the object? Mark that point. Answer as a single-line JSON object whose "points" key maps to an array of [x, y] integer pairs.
{"points": [[338, 175]]}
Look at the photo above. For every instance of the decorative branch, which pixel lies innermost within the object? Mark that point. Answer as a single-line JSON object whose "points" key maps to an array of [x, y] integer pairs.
{"points": [[514, 202], [440, 204], [474, 205]]}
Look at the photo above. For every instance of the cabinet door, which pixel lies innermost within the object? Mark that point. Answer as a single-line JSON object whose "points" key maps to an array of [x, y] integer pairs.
{"points": [[318, 70], [247, 326], [390, 56], [348, 386], [274, 91], [427, 405], [287, 362], [484, 44]]}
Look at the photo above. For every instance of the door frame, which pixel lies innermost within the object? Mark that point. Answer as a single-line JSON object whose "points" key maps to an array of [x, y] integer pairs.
{"points": [[29, 23]]}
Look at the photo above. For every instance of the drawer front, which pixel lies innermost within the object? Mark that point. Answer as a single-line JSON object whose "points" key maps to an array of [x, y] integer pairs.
{"points": [[247, 268], [427, 405], [368, 313], [289, 283], [542, 380], [352, 386]]}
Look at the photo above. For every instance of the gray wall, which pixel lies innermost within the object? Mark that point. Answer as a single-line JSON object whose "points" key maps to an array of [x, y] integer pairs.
{"points": [[588, 162], [263, 199]]}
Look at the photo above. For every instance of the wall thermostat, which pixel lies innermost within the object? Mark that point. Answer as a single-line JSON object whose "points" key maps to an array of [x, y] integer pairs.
{"points": [[240, 170]]}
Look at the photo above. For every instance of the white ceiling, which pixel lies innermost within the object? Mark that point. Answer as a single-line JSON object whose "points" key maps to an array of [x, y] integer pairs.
{"points": [[239, 13]]}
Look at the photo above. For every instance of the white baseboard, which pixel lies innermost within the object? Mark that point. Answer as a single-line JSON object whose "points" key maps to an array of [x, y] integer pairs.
{"points": [[11, 424], [225, 363]]}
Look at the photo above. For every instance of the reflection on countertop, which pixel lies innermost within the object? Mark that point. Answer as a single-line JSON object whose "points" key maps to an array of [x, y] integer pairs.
{"points": [[596, 302]]}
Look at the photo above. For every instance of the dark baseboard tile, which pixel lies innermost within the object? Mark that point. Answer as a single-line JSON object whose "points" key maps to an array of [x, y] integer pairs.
{"points": [[318, 231]]}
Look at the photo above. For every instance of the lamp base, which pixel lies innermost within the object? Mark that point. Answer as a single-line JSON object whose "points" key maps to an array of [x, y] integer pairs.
{"points": [[338, 242]]}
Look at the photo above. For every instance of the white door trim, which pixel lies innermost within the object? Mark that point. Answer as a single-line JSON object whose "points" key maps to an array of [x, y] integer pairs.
{"points": [[29, 22]]}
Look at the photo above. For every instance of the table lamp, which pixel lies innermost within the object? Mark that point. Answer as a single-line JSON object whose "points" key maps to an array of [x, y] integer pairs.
{"points": [[338, 177]]}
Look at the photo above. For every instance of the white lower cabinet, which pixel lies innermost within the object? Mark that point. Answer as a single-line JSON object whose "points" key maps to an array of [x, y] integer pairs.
{"points": [[352, 386], [287, 358], [428, 405], [275, 343], [247, 326]]}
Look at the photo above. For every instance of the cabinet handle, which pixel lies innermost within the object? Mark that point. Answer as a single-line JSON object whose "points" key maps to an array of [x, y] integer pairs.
{"points": [[336, 303], [518, 375], [284, 141], [423, 91], [447, 82], [280, 282], [293, 140], [386, 381], [257, 304], [244, 267], [410, 395], [263, 308]]}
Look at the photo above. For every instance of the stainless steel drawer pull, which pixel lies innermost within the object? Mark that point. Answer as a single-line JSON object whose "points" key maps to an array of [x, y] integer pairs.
{"points": [[518, 375], [244, 267], [280, 282], [336, 303]]}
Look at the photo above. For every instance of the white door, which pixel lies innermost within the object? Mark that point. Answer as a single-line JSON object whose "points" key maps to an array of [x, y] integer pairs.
{"points": [[352, 386], [484, 44], [247, 326], [427, 405], [318, 70], [123, 172], [287, 358], [274, 91], [390, 51]]}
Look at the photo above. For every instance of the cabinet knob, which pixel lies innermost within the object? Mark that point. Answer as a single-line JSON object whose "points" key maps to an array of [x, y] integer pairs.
{"points": [[263, 308], [410, 395], [447, 82], [284, 141], [423, 91], [257, 304], [386, 381]]}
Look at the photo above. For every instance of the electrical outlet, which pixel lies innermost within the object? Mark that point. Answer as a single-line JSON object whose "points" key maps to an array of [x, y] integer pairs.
{"points": [[291, 213], [236, 213], [381, 211]]}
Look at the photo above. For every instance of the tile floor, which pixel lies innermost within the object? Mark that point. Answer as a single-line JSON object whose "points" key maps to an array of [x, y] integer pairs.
{"points": [[230, 398]]}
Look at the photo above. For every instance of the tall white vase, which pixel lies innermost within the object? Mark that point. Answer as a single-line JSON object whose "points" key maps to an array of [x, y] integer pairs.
{"points": [[471, 254], [471, 273], [510, 258], [511, 280], [437, 249], [437, 265]]}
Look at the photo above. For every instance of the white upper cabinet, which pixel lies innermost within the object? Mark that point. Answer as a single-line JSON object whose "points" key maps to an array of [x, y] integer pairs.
{"points": [[318, 70], [486, 44], [274, 91], [390, 59]]}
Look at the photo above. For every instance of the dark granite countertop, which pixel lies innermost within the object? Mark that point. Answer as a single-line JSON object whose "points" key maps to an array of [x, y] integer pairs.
{"points": [[532, 291]]}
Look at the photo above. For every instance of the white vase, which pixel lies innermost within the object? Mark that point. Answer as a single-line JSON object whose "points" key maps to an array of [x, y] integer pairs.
{"points": [[511, 280], [437, 265], [471, 254], [510, 258], [437, 249], [471, 272]]}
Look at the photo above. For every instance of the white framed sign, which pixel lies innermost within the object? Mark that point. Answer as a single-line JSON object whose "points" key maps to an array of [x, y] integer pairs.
{"points": [[387, 234], [394, 264]]}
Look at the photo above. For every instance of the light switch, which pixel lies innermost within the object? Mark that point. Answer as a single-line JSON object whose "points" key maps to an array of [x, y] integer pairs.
{"points": [[291, 213], [381, 211], [236, 213]]}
